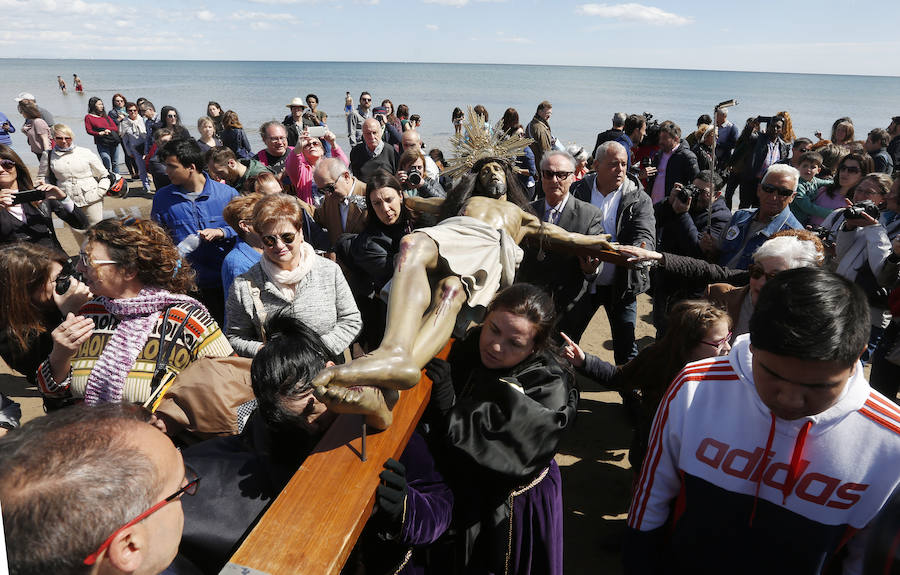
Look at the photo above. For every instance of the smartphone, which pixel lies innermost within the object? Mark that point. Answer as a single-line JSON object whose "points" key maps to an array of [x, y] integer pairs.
{"points": [[316, 131], [28, 196]]}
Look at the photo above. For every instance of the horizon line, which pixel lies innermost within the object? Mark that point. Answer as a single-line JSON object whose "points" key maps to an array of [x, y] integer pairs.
{"points": [[442, 63]]}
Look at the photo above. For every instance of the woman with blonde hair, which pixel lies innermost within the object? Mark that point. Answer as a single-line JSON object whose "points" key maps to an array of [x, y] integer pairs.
{"points": [[78, 172], [289, 277]]}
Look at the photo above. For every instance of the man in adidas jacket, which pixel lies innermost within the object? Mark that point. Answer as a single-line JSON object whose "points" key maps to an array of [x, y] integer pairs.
{"points": [[776, 458]]}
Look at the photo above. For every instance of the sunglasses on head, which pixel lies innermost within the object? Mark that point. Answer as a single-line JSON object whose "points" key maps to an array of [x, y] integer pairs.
{"points": [[770, 189], [286, 238], [757, 271]]}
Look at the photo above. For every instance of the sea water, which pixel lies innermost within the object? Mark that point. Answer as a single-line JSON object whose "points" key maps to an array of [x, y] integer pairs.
{"points": [[584, 98]]}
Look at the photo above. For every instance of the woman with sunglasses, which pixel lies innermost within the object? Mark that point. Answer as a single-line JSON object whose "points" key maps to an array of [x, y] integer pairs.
{"points": [[171, 119], [37, 291], [289, 277], [110, 352], [302, 162], [850, 170], [31, 221], [78, 172], [698, 329]]}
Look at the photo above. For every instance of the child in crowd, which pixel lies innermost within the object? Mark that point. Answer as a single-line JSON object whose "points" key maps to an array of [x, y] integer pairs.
{"points": [[803, 206]]}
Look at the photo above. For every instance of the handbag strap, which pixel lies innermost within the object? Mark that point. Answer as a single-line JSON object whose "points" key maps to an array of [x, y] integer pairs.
{"points": [[166, 348]]}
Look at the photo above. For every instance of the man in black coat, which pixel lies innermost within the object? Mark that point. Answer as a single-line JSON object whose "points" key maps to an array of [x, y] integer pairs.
{"points": [[565, 276], [680, 225], [628, 218], [673, 163], [372, 153], [769, 148]]}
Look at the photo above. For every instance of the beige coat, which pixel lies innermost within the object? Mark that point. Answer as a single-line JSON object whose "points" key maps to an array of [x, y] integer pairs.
{"points": [[79, 173]]}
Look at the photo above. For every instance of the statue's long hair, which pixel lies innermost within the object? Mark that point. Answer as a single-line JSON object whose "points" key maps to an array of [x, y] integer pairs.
{"points": [[456, 201]]}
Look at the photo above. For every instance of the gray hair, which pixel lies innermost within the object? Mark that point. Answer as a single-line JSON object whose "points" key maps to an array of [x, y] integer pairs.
{"points": [[606, 147], [795, 252], [332, 167], [618, 119], [269, 124], [546, 158], [783, 170], [578, 152]]}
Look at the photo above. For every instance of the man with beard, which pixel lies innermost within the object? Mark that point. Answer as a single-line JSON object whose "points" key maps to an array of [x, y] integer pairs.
{"points": [[464, 260]]}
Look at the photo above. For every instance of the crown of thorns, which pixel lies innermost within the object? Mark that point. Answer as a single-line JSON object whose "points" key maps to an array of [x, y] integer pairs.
{"points": [[477, 142]]}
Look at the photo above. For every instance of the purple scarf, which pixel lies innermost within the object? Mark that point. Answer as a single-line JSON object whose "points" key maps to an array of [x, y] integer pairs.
{"points": [[137, 317]]}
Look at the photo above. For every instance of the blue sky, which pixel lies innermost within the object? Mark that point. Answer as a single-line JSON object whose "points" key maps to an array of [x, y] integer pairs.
{"points": [[788, 36]]}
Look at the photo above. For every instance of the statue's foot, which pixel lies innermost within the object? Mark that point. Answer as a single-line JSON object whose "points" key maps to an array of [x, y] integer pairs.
{"points": [[373, 402], [382, 368]]}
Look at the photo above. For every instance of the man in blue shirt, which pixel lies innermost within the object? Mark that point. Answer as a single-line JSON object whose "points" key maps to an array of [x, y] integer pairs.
{"points": [[749, 228], [190, 209]]}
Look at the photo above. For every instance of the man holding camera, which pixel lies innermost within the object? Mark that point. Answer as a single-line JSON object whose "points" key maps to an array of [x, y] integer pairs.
{"points": [[749, 228], [681, 222]]}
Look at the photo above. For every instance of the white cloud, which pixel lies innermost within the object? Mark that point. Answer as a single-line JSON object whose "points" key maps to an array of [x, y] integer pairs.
{"points": [[262, 20], [631, 12], [432, 27], [205, 15], [447, 2]]}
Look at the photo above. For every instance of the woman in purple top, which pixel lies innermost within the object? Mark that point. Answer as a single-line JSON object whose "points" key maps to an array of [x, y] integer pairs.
{"points": [[849, 172]]}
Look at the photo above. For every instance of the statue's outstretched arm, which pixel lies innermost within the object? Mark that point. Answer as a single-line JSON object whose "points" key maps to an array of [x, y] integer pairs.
{"points": [[424, 205], [558, 239]]}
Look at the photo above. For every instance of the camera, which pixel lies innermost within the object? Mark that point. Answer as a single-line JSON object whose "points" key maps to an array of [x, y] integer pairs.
{"points": [[859, 208], [64, 279], [824, 234], [688, 192], [414, 178], [764, 119]]}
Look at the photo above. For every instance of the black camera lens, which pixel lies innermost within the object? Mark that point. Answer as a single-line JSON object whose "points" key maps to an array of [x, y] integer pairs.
{"points": [[63, 282], [414, 179]]}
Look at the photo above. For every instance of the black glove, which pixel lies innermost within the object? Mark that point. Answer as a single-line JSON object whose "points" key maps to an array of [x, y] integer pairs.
{"points": [[442, 394], [391, 494]]}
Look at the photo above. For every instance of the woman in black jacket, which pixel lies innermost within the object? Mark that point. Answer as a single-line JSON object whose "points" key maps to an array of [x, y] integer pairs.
{"points": [[370, 255], [31, 221]]}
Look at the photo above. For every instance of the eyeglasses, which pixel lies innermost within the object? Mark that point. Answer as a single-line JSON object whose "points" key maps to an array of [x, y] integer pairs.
{"points": [[286, 238], [770, 189], [329, 189], [717, 344], [190, 488], [87, 262], [312, 143], [851, 169], [7, 164], [757, 271], [550, 174], [62, 138], [132, 110], [365, 99], [170, 115]]}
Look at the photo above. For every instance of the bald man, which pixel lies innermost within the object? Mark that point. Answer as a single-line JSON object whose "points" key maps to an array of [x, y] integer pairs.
{"points": [[412, 139], [372, 153]]}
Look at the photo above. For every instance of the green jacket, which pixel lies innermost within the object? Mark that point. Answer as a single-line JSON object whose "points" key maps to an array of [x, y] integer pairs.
{"points": [[803, 206]]}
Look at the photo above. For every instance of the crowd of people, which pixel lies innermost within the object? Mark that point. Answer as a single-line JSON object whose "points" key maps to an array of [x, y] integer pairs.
{"points": [[324, 279]]}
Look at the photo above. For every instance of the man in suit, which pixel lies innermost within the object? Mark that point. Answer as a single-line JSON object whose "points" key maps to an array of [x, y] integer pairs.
{"points": [[565, 276], [343, 210], [674, 163], [628, 218]]}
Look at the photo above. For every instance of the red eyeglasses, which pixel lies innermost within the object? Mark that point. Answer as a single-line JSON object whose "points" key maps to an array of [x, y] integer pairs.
{"points": [[717, 344], [189, 488]]}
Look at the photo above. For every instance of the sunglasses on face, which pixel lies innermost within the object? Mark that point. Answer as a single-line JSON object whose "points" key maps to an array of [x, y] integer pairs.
{"points": [[550, 174], [757, 271], [7, 164], [286, 238], [770, 189], [365, 99], [851, 169], [327, 190]]}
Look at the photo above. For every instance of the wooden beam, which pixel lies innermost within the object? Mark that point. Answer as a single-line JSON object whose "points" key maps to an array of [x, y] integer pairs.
{"points": [[314, 523]]}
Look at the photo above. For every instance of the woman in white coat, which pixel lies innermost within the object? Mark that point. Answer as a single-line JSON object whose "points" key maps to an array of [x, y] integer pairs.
{"points": [[78, 172]]}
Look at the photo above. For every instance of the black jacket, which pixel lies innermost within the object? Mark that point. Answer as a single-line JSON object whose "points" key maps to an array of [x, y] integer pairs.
{"points": [[680, 233], [682, 167], [561, 273], [38, 225], [635, 224], [760, 149]]}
